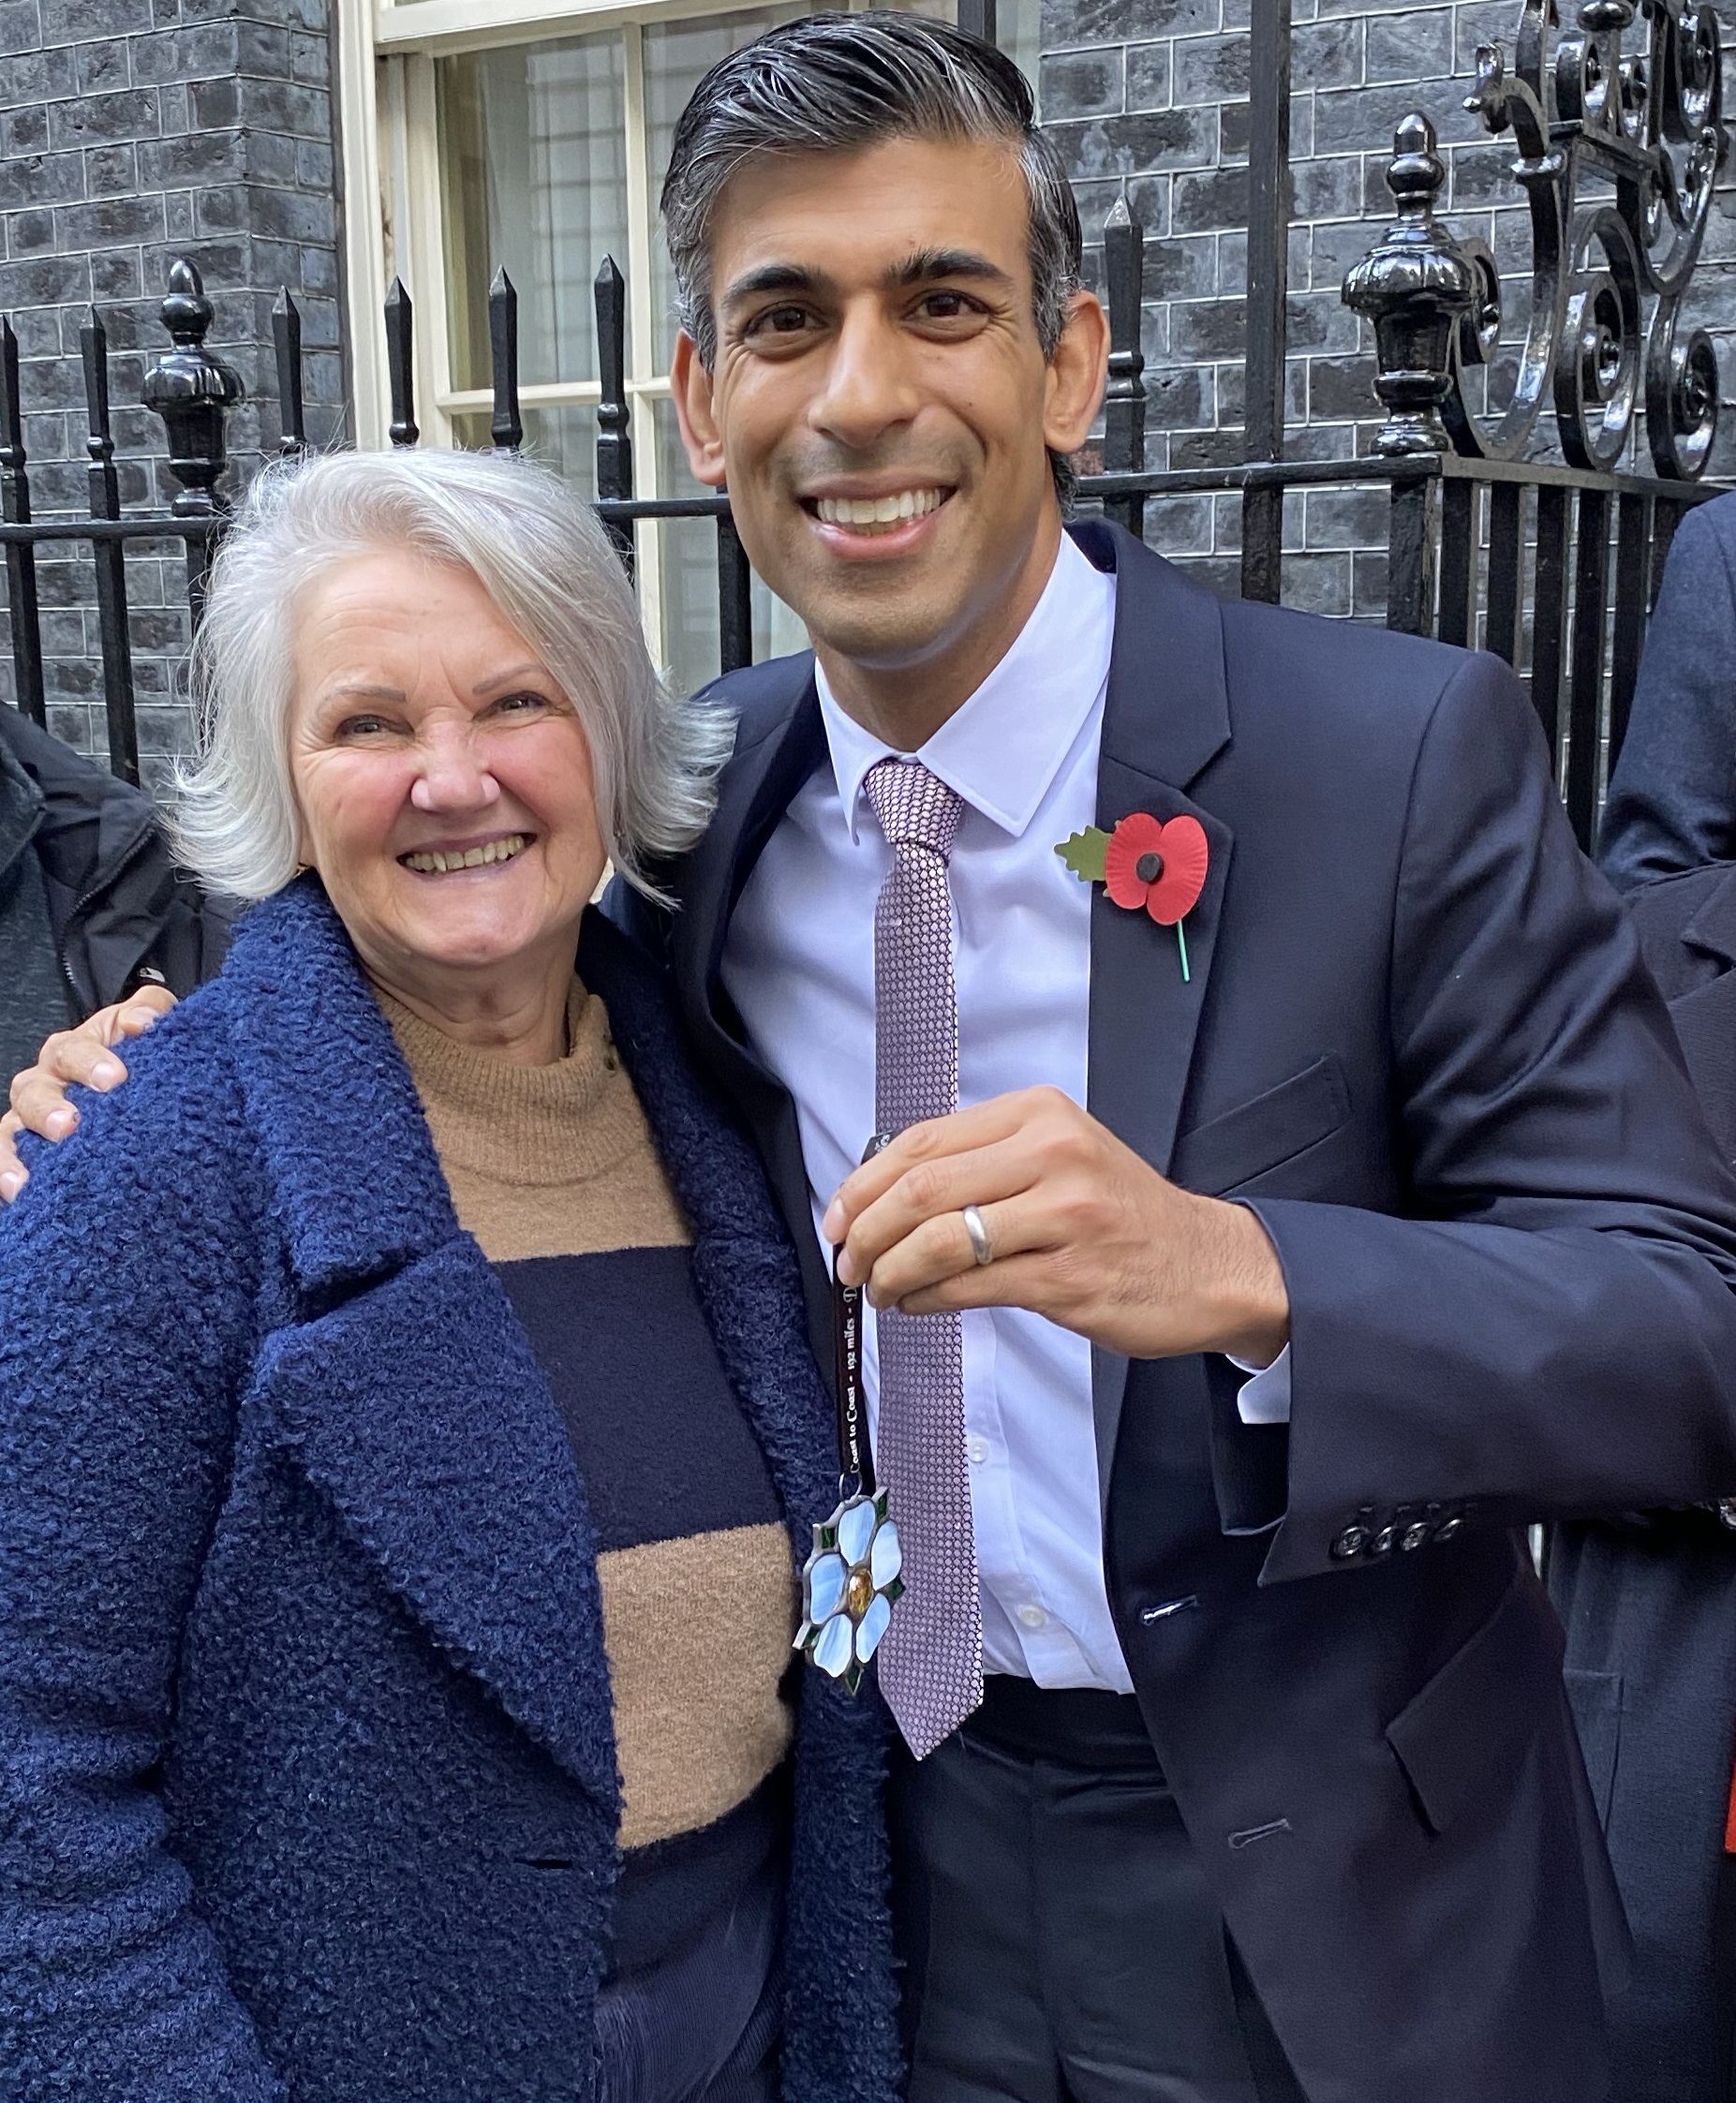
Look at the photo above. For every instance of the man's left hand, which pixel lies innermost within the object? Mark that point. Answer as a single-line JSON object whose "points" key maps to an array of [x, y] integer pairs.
{"points": [[1081, 1230]]}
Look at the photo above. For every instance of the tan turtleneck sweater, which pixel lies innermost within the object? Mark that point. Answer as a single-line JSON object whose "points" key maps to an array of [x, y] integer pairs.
{"points": [[553, 1169]]}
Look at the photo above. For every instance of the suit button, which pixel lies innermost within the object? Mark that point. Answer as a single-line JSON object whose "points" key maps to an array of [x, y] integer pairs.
{"points": [[1381, 1542], [1450, 1526], [1414, 1536], [1350, 1544]]}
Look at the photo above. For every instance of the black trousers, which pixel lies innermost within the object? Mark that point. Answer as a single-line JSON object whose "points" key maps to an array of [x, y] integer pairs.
{"points": [[1057, 1939]]}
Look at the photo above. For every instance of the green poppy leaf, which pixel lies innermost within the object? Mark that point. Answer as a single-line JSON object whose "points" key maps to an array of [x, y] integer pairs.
{"points": [[1083, 853]]}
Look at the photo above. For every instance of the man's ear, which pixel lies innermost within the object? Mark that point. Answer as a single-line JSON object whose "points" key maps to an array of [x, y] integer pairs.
{"points": [[690, 382], [1078, 374]]}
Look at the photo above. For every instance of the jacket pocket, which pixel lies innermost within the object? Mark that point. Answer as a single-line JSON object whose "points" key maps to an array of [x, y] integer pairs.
{"points": [[1596, 1699], [1262, 1135], [1475, 1720]]}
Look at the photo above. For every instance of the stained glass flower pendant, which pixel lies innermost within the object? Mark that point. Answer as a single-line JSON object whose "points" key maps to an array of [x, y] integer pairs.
{"points": [[848, 1584]]}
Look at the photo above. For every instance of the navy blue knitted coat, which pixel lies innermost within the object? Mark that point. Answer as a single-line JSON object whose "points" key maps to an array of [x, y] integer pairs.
{"points": [[308, 1775]]}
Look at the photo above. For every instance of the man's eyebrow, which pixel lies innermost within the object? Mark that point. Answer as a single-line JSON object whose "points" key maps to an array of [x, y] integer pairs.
{"points": [[777, 277], [923, 265]]}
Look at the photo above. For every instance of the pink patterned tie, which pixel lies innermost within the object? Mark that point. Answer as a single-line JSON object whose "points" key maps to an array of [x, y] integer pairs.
{"points": [[932, 1659]]}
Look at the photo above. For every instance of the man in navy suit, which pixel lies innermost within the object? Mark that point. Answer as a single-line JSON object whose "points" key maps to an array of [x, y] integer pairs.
{"points": [[1325, 1199], [1477, 1248]]}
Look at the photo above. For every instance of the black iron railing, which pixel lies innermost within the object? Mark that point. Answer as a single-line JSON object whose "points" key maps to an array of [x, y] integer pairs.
{"points": [[1507, 524]]}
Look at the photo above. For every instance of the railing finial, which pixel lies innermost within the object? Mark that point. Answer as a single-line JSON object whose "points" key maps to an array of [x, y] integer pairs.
{"points": [[1415, 286], [287, 344], [400, 368], [193, 391], [21, 557], [506, 428]]}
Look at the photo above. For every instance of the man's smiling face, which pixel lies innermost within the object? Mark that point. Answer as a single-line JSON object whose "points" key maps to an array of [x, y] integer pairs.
{"points": [[880, 404]]}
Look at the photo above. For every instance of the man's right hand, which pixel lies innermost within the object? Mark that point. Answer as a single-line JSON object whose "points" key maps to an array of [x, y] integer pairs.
{"points": [[84, 1056]]}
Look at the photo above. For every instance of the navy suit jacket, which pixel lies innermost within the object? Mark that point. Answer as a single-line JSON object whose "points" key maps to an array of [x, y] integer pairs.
{"points": [[1419, 1041], [1649, 1600], [1673, 792]]}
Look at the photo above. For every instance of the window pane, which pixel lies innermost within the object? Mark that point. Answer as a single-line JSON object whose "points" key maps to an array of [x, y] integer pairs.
{"points": [[676, 53], [533, 157], [562, 436], [687, 551], [1018, 31]]}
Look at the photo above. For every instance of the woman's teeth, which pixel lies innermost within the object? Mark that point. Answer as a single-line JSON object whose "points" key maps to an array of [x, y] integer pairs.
{"points": [[877, 514], [433, 862]]}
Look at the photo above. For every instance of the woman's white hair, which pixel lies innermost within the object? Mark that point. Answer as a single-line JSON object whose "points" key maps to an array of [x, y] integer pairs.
{"points": [[539, 552]]}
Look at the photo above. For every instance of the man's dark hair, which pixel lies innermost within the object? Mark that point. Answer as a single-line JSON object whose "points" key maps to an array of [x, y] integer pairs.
{"points": [[837, 83]]}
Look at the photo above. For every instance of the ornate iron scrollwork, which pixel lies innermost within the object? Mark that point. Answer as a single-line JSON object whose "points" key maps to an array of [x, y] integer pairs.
{"points": [[1650, 123]]}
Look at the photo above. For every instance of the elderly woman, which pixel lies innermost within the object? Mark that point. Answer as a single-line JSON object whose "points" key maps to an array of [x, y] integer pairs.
{"points": [[405, 1419]]}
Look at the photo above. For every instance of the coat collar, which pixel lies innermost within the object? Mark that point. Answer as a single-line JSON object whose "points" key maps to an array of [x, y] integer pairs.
{"points": [[1713, 929], [1704, 1014], [359, 1190], [1168, 710], [21, 809]]}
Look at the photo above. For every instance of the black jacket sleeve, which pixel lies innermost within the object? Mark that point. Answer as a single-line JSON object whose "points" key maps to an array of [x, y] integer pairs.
{"points": [[1672, 794]]}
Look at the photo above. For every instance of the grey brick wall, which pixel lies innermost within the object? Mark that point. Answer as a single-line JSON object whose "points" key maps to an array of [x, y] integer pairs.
{"points": [[1151, 93], [133, 131]]}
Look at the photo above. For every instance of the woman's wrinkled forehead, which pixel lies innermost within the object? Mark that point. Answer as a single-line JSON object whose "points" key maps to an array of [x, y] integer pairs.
{"points": [[404, 622]]}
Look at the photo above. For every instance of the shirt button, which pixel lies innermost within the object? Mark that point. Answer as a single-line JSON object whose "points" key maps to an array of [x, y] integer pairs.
{"points": [[1033, 1617], [978, 1449]]}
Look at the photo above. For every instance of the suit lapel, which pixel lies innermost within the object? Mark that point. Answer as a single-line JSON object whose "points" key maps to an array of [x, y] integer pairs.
{"points": [[404, 1386], [1165, 718]]}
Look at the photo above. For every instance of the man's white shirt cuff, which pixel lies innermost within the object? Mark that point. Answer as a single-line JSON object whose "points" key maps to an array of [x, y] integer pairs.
{"points": [[1266, 1398]]}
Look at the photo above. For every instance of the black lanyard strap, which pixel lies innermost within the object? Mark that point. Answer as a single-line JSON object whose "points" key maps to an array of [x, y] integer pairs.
{"points": [[854, 1453]]}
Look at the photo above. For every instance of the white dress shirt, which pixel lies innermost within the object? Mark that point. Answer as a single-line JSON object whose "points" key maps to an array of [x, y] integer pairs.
{"points": [[798, 963]]}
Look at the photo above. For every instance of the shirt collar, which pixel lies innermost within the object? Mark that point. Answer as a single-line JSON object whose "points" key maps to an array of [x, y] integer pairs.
{"points": [[1002, 751]]}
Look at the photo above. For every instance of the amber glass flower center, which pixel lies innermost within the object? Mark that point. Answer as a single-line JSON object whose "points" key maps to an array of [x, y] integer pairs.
{"points": [[858, 1592]]}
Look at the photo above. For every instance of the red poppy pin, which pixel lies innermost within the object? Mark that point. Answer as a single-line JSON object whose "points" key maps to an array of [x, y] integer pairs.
{"points": [[1145, 863]]}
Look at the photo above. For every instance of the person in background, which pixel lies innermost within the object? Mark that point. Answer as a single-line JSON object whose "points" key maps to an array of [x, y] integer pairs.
{"points": [[1649, 1603], [1649, 1599], [406, 1425], [92, 905], [1672, 790]]}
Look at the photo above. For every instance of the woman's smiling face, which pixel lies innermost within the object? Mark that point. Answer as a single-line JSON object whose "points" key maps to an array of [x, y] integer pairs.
{"points": [[442, 777]]}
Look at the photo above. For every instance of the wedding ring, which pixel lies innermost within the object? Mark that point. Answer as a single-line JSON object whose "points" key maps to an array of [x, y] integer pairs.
{"points": [[981, 1247]]}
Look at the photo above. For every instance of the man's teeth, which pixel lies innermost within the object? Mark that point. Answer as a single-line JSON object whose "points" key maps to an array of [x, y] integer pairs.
{"points": [[871, 512], [433, 862]]}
